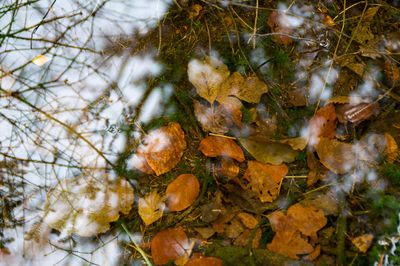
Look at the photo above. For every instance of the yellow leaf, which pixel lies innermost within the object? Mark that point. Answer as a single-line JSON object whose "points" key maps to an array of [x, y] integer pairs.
{"points": [[151, 207], [40, 60]]}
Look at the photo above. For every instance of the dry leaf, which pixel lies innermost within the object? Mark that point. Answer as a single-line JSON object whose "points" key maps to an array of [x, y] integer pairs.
{"points": [[298, 143], [207, 77], [264, 179], [85, 206], [162, 149], [230, 110], [182, 192], [225, 215], [392, 150], [228, 167], [151, 207], [40, 60], [194, 10], [296, 97], [324, 201], [267, 151], [363, 242], [308, 220], [170, 244], [205, 261], [392, 72], [248, 220], [317, 170], [205, 232], [337, 156], [322, 124], [277, 25], [213, 146], [328, 20], [244, 238], [234, 229], [313, 255]]}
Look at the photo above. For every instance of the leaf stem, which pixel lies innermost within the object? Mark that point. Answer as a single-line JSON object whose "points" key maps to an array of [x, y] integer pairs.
{"points": [[137, 246]]}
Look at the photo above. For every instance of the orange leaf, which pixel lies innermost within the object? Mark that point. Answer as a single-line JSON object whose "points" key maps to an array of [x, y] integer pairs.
{"points": [[162, 149], [170, 244], [308, 220], [244, 238], [182, 192], [356, 113], [275, 22], [214, 146], [265, 178], [322, 124], [248, 220], [392, 150], [228, 167], [205, 261]]}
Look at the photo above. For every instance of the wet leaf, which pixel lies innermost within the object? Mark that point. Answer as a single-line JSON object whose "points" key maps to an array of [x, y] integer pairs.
{"points": [[205, 232], [264, 179], [298, 143], [244, 239], [207, 77], [363, 242], [277, 25], [162, 149], [205, 261], [268, 151], [248, 220], [40, 60], [392, 150], [322, 124], [299, 220], [230, 110], [336, 156], [234, 229], [313, 255], [210, 121], [392, 72], [85, 206], [151, 207], [213, 146], [170, 244], [356, 113], [317, 170], [228, 167], [182, 192]]}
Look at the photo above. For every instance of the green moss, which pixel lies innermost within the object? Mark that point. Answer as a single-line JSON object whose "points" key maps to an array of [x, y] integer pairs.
{"points": [[391, 172], [247, 115]]}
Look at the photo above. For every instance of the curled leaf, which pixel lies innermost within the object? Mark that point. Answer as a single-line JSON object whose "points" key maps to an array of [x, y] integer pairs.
{"points": [[182, 192]]}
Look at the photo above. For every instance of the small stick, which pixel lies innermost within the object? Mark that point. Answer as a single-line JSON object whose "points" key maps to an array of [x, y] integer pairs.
{"points": [[137, 246]]}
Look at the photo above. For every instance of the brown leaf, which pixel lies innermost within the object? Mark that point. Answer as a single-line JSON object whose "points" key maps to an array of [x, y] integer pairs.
{"points": [[317, 170], [265, 178], [324, 201], [162, 148], [298, 143], [234, 229], [275, 22], [205, 261], [205, 232], [151, 207], [308, 220], [322, 124], [356, 113], [182, 192], [363, 242], [139, 162], [210, 121], [267, 151], [248, 220], [244, 238], [207, 77], [170, 244], [230, 110], [296, 97], [228, 167], [392, 150], [337, 156], [392, 72], [213, 146], [225, 215], [313, 255]]}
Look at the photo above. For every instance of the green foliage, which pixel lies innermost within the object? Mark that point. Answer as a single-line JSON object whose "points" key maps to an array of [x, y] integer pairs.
{"points": [[391, 172], [247, 115], [302, 157]]}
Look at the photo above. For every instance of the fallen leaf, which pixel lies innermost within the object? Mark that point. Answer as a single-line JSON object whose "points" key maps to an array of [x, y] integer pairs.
{"points": [[228, 167], [313, 255], [276, 22], [210, 121], [317, 170], [205, 261], [392, 150], [244, 239], [392, 72], [234, 229], [86, 206], [322, 124], [328, 20], [170, 244], [356, 113], [194, 10], [162, 149], [370, 13], [182, 192], [288, 239], [230, 110], [308, 220], [205, 232], [337, 156], [224, 216], [296, 97], [298, 143], [248, 220], [151, 207], [207, 77], [264, 179], [213, 146], [267, 151], [363, 242], [40, 60]]}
